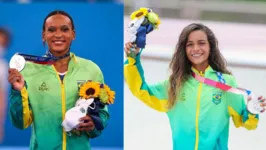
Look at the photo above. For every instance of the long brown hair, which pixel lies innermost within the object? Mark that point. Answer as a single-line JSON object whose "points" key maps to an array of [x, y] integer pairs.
{"points": [[180, 66]]}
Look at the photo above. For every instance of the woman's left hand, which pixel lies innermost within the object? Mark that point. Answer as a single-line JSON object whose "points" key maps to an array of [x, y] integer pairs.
{"points": [[261, 100], [87, 124]]}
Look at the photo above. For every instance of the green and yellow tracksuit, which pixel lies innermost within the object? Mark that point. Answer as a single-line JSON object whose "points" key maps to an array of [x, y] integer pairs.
{"points": [[44, 100], [200, 119]]}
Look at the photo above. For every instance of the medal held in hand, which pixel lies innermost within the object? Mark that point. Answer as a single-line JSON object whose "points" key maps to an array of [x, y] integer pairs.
{"points": [[253, 105], [18, 61]]}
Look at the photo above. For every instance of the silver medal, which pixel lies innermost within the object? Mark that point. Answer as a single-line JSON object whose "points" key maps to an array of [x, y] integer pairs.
{"points": [[17, 62], [254, 107]]}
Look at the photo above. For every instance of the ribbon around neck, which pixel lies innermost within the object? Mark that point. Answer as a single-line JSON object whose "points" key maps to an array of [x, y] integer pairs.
{"points": [[49, 58]]}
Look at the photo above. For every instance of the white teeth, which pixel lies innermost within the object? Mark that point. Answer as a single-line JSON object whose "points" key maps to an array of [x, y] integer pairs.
{"points": [[196, 55], [58, 42]]}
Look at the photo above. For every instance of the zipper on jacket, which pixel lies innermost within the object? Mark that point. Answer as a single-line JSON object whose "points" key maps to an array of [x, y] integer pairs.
{"points": [[63, 110], [63, 102], [198, 112], [63, 113]]}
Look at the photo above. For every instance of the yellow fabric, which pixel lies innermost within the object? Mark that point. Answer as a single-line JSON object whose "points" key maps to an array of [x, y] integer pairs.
{"points": [[197, 116], [198, 110], [63, 100], [249, 124], [74, 58], [63, 115], [237, 119], [200, 73], [134, 82], [27, 113]]}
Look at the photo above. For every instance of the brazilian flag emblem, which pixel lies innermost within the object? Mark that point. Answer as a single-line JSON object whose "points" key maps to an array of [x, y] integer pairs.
{"points": [[217, 97]]}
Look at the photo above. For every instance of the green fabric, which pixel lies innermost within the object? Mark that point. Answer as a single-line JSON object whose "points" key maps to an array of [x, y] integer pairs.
{"points": [[16, 109], [213, 119], [44, 89]]}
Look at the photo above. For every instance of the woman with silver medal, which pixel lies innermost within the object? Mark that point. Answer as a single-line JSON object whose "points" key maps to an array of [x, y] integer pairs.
{"points": [[45, 88], [200, 95]]}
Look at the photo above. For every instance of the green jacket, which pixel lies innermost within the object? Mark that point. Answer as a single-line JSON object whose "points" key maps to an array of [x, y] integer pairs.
{"points": [[43, 102], [200, 119]]}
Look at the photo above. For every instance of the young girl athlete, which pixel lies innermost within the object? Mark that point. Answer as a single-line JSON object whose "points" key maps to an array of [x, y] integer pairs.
{"points": [[198, 113]]}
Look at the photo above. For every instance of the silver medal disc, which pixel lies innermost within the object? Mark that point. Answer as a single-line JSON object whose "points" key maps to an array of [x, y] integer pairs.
{"points": [[254, 107], [17, 62]]}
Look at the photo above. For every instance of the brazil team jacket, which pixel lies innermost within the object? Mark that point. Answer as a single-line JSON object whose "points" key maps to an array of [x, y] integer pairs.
{"points": [[43, 102], [200, 119]]}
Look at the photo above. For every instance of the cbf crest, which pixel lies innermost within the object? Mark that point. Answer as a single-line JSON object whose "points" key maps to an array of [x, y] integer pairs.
{"points": [[217, 97]]}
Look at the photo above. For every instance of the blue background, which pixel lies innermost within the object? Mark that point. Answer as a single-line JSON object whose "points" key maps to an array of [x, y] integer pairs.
{"points": [[99, 37]]}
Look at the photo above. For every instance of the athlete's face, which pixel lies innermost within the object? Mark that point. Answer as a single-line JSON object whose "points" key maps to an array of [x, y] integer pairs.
{"points": [[198, 49], [58, 34]]}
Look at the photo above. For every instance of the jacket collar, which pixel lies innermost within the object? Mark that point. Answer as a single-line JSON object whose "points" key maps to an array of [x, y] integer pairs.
{"points": [[71, 65], [207, 71]]}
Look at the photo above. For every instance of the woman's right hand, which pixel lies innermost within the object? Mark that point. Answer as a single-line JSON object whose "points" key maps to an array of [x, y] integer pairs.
{"points": [[128, 46], [15, 79]]}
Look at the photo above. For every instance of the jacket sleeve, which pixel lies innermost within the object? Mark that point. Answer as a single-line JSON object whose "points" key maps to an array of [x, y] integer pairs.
{"points": [[238, 111], [154, 96], [104, 116], [103, 113], [19, 108]]}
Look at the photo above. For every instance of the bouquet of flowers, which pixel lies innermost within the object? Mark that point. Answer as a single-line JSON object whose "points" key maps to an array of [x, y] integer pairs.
{"points": [[143, 21], [93, 96]]}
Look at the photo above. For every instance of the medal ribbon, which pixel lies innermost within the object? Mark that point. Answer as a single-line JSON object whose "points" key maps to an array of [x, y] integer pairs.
{"points": [[220, 85], [47, 59]]}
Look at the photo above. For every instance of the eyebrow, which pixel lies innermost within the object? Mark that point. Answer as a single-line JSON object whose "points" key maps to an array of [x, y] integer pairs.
{"points": [[202, 40], [60, 26], [198, 40], [63, 26]]}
